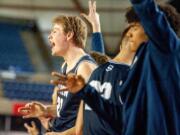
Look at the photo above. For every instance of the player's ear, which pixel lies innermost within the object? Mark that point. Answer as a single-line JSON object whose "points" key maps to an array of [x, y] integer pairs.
{"points": [[69, 35]]}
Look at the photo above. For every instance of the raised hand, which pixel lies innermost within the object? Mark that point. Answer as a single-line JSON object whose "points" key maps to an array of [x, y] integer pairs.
{"points": [[71, 82], [33, 109], [93, 17], [31, 129]]}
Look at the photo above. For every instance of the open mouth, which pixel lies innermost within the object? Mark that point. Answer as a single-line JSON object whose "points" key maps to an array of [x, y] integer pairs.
{"points": [[52, 44]]}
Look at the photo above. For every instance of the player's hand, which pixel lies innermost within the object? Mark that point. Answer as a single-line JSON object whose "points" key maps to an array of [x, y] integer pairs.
{"points": [[73, 83], [93, 16], [33, 109], [31, 129]]}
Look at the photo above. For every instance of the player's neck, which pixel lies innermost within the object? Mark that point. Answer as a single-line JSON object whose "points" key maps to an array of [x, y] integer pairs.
{"points": [[72, 56], [124, 57]]}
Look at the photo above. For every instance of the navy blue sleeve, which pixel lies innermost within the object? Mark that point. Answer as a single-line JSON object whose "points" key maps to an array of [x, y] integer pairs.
{"points": [[106, 109], [156, 26], [97, 43]]}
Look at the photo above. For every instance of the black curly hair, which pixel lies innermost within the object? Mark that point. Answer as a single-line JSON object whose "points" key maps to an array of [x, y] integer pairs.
{"points": [[172, 16], [131, 15], [170, 12]]}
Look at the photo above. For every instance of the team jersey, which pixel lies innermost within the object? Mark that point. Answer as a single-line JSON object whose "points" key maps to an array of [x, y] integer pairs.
{"points": [[67, 103], [105, 80]]}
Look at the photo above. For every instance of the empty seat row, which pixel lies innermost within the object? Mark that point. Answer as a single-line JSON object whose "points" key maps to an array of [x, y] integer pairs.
{"points": [[27, 91], [13, 52]]}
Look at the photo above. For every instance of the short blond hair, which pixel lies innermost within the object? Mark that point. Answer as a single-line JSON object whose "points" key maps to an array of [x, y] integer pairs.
{"points": [[73, 24]]}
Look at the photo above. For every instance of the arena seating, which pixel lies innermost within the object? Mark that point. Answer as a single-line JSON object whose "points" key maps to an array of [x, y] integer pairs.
{"points": [[13, 54], [27, 91]]}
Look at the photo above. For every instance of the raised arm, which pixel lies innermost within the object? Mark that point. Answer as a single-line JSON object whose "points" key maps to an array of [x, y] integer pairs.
{"points": [[97, 43], [156, 26]]}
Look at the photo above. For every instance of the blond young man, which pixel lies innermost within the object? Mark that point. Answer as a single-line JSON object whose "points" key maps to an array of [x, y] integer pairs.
{"points": [[67, 38]]}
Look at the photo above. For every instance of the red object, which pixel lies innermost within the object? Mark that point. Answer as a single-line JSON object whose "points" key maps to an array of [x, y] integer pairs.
{"points": [[15, 107]]}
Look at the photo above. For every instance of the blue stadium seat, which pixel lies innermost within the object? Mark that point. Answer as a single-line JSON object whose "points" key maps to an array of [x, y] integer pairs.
{"points": [[27, 91], [13, 54]]}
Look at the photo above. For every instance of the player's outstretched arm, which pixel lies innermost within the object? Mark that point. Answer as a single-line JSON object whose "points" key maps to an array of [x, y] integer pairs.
{"points": [[93, 18], [36, 109]]}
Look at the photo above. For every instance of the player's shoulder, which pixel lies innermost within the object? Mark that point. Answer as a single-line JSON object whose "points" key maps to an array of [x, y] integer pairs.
{"points": [[87, 65], [111, 65]]}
